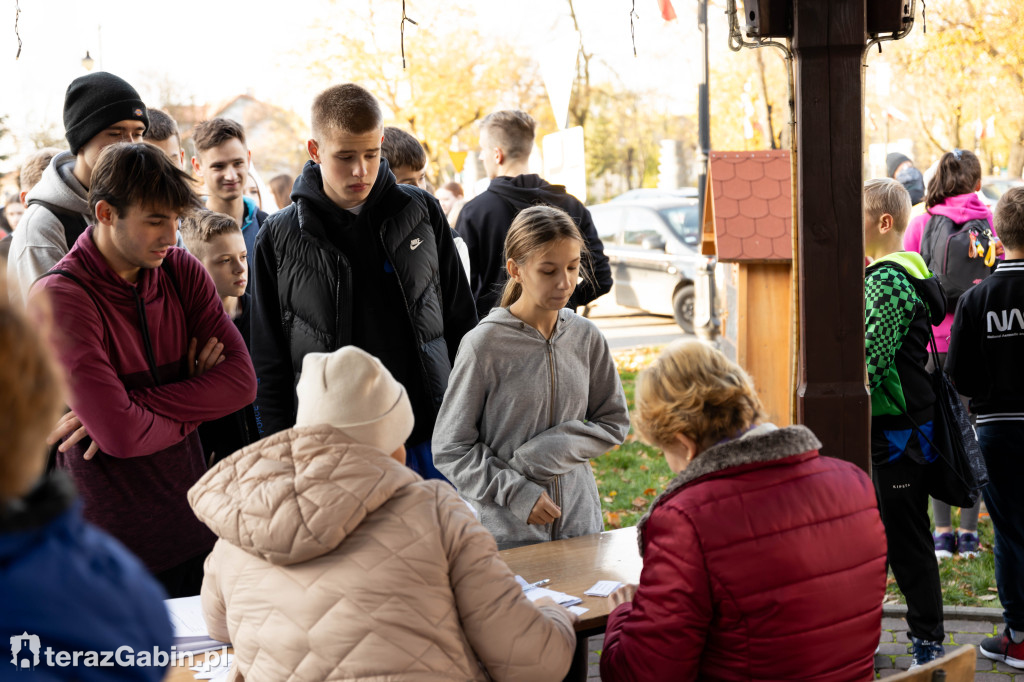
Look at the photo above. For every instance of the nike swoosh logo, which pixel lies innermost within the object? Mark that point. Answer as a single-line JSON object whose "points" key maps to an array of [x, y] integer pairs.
{"points": [[414, 244]]}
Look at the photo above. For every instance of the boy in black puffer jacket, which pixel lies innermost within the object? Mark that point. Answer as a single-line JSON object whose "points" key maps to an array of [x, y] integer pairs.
{"points": [[358, 260]]}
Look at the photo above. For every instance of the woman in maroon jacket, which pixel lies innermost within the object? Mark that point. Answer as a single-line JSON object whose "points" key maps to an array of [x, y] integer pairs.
{"points": [[762, 559]]}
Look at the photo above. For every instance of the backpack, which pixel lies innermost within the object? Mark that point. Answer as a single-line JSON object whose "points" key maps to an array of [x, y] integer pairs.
{"points": [[73, 223], [959, 255]]}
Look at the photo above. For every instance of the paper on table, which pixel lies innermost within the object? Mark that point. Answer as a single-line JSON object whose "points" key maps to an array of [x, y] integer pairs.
{"points": [[559, 597], [190, 633], [578, 610], [186, 614], [535, 593], [602, 588]]}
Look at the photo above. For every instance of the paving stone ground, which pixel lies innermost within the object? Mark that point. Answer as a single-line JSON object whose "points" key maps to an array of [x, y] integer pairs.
{"points": [[892, 656]]}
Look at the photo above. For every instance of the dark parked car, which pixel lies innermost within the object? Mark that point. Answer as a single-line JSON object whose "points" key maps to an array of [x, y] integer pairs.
{"points": [[652, 247]]}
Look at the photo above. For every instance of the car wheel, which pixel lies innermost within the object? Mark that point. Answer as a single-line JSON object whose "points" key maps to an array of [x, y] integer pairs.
{"points": [[682, 308]]}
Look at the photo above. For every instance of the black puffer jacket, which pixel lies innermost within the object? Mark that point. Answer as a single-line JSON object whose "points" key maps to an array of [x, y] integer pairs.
{"points": [[303, 300]]}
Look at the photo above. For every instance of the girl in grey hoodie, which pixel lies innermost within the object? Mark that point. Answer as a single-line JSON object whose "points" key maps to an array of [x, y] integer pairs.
{"points": [[533, 396]]}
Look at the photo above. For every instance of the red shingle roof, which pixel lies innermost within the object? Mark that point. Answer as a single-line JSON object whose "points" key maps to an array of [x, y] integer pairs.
{"points": [[752, 196]]}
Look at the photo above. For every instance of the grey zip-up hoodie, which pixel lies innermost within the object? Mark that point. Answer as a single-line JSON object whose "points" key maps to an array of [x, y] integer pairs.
{"points": [[523, 414], [39, 242]]}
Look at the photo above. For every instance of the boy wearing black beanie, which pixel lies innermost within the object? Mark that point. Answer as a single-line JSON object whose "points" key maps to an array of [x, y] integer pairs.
{"points": [[99, 110]]}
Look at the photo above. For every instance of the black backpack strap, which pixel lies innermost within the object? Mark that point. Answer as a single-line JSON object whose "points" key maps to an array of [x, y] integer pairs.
{"points": [[74, 224], [929, 242], [73, 278]]}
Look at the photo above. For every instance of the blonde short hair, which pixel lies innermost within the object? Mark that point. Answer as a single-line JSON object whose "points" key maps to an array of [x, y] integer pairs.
{"points": [[202, 226], [885, 195], [693, 389], [513, 131]]}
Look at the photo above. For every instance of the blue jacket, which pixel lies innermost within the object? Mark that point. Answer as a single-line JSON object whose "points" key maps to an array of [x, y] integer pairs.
{"points": [[75, 588]]}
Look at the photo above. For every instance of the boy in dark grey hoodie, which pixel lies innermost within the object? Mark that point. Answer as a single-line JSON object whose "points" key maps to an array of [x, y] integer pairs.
{"points": [[100, 109]]}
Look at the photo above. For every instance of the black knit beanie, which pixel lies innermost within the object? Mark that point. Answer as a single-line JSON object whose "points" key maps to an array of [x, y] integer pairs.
{"points": [[95, 102], [893, 161]]}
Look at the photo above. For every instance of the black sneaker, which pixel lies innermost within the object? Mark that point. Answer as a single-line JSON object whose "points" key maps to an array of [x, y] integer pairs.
{"points": [[967, 545], [1002, 648], [923, 651]]}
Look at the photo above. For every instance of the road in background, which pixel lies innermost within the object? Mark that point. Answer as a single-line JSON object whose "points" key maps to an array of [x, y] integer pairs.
{"points": [[628, 327]]}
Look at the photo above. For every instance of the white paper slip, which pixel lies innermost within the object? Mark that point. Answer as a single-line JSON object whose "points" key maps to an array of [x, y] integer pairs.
{"points": [[559, 597], [186, 614], [578, 610], [602, 588]]}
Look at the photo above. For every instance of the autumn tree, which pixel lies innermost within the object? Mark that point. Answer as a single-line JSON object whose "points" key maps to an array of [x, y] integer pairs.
{"points": [[453, 76], [623, 134], [966, 69], [4, 132], [749, 101]]}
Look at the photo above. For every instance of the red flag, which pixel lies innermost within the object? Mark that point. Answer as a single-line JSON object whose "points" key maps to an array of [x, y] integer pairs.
{"points": [[668, 13]]}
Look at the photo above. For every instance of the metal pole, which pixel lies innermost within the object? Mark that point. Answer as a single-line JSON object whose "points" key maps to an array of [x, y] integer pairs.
{"points": [[703, 107], [706, 318]]}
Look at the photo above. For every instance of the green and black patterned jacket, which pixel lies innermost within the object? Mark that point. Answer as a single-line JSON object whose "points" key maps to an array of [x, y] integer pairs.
{"points": [[901, 300]]}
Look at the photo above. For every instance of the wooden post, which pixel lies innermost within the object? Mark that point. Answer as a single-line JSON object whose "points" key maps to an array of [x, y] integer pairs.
{"points": [[832, 398]]}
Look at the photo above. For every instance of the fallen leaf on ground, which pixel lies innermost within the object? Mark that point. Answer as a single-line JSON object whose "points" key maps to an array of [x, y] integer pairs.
{"points": [[639, 502], [643, 467], [650, 491], [613, 493], [612, 519], [987, 597], [608, 499]]}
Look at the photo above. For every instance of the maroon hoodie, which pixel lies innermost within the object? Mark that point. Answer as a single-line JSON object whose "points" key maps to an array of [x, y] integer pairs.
{"points": [[137, 403]]}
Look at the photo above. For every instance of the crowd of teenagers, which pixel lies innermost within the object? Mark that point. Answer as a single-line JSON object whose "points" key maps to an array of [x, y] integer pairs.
{"points": [[328, 419]]}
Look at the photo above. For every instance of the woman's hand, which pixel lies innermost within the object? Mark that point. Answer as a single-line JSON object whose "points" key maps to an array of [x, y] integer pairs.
{"points": [[622, 595], [544, 511]]}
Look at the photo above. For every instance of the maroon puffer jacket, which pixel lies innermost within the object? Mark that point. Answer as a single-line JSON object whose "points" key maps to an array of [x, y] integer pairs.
{"points": [[762, 561]]}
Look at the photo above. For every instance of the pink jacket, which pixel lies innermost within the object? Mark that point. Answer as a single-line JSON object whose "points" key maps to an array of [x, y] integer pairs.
{"points": [[959, 209], [337, 562]]}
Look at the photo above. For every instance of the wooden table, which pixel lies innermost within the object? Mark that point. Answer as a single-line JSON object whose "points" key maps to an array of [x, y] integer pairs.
{"points": [[572, 566], [575, 565]]}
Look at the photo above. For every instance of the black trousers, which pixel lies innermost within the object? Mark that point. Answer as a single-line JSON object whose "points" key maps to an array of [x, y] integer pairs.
{"points": [[185, 579], [903, 504]]}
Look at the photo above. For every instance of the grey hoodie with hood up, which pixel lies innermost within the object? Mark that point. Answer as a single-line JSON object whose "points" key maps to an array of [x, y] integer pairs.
{"points": [[39, 241], [524, 414]]}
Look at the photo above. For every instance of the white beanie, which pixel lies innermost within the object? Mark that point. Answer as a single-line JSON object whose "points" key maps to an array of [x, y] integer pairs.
{"points": [[353, 391]]}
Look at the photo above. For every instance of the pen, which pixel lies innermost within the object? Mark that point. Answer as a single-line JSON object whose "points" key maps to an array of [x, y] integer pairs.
{"points": [[537, 584]]}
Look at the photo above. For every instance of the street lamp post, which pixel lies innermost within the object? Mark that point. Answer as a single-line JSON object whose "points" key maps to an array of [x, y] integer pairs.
{"points": [[87, 61], [706, 307]]}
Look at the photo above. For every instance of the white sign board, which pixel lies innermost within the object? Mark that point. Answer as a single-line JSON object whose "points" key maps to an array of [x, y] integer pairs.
{"points": [[565, 162]]}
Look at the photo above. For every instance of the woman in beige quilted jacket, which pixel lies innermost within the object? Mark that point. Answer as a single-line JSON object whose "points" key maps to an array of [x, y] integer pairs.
{"points": [[337, 562]]}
